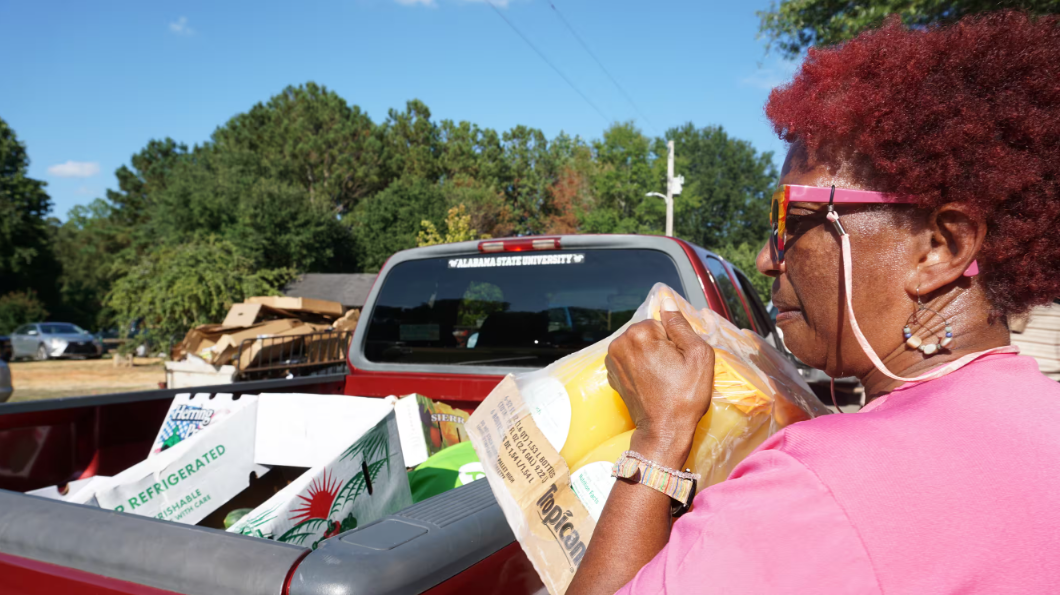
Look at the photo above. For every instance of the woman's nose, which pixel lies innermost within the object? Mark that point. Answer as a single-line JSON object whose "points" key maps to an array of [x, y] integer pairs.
{"points": [[766, 261]]}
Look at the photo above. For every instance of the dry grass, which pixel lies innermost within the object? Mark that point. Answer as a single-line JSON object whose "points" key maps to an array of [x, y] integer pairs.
{"points": [[73, 378]]}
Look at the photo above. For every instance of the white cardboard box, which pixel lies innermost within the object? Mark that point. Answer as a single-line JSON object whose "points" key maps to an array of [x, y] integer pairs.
{"points": [[360, 482], [189, 413], [187, 482]]}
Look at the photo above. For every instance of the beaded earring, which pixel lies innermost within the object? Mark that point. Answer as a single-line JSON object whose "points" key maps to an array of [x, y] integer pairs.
{"points": [[914, 342]]}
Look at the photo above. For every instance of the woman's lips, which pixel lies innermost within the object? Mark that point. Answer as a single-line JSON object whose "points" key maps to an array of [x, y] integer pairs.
{"points": [[787, 315]]}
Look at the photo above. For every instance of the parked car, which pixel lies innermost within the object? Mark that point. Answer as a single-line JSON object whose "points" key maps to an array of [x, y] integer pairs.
{"points": [[5, 348], [526, 301], [46, 340], [5, 382]]}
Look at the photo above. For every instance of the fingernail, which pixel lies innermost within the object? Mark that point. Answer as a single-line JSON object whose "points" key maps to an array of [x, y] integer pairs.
{"points": [[669, 305]]}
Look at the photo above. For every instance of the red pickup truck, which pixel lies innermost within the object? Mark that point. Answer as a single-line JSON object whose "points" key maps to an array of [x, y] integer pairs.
{"points": [[445, 321]]}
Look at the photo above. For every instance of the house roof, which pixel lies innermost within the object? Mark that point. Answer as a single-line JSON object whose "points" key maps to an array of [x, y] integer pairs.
{"points": [[350, 290]]}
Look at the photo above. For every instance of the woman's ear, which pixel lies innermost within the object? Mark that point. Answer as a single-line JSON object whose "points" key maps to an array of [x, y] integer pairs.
{"points": [[956, 237]]}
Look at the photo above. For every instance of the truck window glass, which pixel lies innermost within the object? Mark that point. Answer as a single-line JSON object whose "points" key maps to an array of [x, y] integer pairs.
{"points": [[510, 310], [738, 315], [762, 319]]}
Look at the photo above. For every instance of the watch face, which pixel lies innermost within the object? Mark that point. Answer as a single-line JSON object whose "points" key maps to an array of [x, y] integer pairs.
{"points": [[677, 508]]}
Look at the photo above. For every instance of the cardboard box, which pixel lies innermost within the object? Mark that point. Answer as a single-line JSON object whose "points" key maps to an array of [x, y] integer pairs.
{"points": [[245, 315], [298, 304], [242, 315], [301, 430], [360, 483], [265, 348], [228, 345], [198, 339], [187, 482], [193, 371], [349, 320], [190, 413], [67, 492], [350, 445], [427, 427]]}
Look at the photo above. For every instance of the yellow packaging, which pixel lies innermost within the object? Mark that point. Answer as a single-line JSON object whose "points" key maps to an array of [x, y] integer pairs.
{"points": [[548, 438]]}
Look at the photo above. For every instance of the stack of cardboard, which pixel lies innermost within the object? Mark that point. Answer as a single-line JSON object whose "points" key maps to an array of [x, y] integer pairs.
{"points": [[218, 346]]}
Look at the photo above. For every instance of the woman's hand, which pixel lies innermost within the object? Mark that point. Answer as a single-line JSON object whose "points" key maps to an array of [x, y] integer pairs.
{"points": [[664, 372]]}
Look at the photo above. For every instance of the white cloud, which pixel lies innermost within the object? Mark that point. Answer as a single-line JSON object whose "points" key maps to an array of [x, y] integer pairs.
{"points": [[180, 27], [74, 169]]}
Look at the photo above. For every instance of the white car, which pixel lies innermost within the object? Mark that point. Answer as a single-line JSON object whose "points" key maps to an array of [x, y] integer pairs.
{"points": [[46, 340], [5, 382]]}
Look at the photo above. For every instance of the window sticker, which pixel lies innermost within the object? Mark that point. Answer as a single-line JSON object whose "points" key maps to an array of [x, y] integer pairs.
{"points": [[418, 332], [516, 260]]}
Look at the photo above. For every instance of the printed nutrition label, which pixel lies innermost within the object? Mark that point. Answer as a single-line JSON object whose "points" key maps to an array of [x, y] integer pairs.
{"points": [[592, 484]]}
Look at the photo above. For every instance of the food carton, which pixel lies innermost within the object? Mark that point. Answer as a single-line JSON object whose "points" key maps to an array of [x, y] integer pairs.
{"points": [[189, 413], [189, 480], [548, 439], [361, 482], [206, 455], [427, 427]]}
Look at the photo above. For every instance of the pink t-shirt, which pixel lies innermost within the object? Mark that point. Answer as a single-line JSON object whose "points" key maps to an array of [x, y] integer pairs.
{"points": [[950, 486]]}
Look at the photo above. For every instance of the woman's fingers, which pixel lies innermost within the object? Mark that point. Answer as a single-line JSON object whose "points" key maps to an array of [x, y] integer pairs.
{"points": [[681, 333]]}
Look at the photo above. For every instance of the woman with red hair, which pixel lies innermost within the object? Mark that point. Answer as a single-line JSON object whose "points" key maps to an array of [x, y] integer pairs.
{"points": [[917, 208]]}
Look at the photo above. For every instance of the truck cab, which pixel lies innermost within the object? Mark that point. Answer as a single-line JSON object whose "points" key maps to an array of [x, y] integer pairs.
{"points": [[448, 322]]}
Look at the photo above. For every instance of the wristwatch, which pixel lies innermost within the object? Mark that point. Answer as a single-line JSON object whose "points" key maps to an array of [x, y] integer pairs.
{"points": [[679, 485]]}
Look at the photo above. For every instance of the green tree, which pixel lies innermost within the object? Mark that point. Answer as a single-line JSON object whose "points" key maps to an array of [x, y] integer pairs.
{"points": [[411, 143], [151, 169], [18, 308], [458, 229], [390, 220], [794, 25], [726, 197], [173, 288], [310, 137], [624, 173], [87, 246], [25, 252]]}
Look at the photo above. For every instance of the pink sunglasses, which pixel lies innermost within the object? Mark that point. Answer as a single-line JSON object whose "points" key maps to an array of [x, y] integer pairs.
{"points": [[787, 194]]}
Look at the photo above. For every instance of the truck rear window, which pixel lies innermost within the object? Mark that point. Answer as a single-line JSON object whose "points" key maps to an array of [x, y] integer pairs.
{"points": [[509, 309]]}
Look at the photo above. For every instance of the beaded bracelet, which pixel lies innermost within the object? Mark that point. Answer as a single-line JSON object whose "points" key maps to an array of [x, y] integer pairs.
{"points": [[679, 485]]}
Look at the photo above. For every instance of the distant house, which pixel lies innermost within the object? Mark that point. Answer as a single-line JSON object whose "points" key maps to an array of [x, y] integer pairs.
{"points": [[350, 290], [1038, 335]]}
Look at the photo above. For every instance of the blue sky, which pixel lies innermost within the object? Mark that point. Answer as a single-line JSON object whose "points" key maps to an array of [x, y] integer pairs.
{"points": [[86, 86]]}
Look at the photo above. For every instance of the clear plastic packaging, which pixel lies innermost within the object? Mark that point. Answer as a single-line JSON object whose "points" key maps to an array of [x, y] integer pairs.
{"points": [[547, 439]]}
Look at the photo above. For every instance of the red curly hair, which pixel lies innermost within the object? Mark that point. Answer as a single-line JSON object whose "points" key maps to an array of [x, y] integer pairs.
{"points": [[960, 113]]}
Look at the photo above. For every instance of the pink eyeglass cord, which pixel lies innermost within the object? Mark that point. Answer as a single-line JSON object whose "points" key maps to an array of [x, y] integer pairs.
{"points": [[845, 246]]}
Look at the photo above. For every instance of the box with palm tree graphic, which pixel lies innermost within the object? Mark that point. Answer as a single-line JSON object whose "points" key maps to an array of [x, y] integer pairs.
{"points": [[363, 482]]}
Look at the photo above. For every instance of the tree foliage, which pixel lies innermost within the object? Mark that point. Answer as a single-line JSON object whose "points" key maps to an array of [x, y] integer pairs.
{"points": [[794, 25], [174, 288], [390, 220], [18, 308], [306, 182], [26, 259], [458, 229]]}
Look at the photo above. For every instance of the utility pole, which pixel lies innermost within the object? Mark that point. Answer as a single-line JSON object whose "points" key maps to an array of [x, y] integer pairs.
{"points": [[674, 188]]}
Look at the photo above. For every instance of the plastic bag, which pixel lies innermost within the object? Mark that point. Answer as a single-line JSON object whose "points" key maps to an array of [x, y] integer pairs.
{"points": [[548, 438]]}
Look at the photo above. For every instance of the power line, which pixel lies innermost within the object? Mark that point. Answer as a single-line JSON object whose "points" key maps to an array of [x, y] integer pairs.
{"points": [[551, 65], [599, 63]]}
